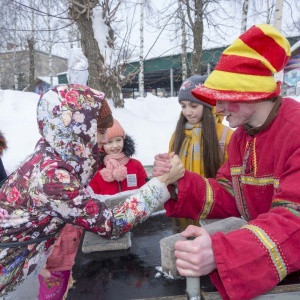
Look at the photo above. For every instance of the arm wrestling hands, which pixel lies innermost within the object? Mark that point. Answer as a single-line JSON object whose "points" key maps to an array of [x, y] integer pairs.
{"points": [[175, 171], [162, 163]]}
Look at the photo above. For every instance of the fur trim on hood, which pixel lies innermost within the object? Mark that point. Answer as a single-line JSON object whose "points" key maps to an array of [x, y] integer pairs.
{"points": [[128, 149], [3, 144]]}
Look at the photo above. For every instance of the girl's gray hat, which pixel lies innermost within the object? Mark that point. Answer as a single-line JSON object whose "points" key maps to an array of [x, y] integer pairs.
{"points": [[188, 85]]}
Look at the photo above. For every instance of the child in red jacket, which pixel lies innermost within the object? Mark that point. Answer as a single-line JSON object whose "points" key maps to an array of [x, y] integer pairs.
{"points": [[118, 172]]}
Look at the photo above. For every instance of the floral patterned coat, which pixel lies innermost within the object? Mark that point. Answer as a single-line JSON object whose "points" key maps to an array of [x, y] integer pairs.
{"points": [[48, 189]]}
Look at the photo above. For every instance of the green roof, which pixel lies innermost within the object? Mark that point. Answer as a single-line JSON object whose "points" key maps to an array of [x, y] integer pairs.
{"points": [[157, 64], [173, 61]]}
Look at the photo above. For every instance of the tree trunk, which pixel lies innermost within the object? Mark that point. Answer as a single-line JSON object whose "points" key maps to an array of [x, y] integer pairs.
{"points": [[91, 50], [198, 37], [269, 15], [30, 42], [50, 45], [244, 16], [278, 14], [277, 24], [101, 77], [141, 74], [183, 43]]}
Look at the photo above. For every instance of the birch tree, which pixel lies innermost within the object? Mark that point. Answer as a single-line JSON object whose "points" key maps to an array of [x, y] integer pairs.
{"points": [[278, 14], [183, 43], [144, 6], [31, 42], [15, 48], [194, 10], [54, 18], [141, 73], [244, 15]]}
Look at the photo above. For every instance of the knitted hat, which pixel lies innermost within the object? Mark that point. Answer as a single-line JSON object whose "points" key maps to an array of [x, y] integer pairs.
{"points": [[115, 130], [245, 69], [188, 85], [105, 118]]}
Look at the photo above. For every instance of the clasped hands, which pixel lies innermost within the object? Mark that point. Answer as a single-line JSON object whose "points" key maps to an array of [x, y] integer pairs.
{"points": [[170, 168]]}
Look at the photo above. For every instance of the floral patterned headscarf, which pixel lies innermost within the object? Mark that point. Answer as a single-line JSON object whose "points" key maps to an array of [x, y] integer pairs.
{"points": [[67, 118]]}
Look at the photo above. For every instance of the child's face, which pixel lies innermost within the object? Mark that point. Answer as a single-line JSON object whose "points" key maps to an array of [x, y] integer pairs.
{"points": [[114, 146], [192, 111]]}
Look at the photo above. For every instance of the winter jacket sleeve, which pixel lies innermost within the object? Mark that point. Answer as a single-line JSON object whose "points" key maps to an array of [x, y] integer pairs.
{"points": [[197, 197], [254, 259], [60, 194], [94, 183], [266, 249]]}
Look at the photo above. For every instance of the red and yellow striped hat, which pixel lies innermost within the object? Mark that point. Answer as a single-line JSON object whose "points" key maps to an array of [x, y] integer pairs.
{"points": [[245, 70]]}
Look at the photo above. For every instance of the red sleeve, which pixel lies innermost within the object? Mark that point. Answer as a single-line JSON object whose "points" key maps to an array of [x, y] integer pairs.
{"points": [[254, 259], [197, 199], [94, 183]]}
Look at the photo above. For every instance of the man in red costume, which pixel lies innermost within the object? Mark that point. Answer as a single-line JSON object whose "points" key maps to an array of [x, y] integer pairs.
{"points": [[260, 182]]}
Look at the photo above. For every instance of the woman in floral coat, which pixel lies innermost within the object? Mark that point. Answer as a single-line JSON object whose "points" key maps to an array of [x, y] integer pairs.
{"points": [[48, 189]]}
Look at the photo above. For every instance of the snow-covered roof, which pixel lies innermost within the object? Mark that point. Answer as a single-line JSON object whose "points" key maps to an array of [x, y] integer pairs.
{"points": [[48, 80]]}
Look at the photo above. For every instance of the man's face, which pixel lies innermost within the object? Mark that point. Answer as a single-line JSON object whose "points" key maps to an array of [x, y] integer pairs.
{"points": [[237, 113]]}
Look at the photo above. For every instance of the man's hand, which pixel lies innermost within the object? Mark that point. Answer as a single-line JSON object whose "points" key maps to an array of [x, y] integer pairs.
{"points": [[162, 164], [195, 257]]}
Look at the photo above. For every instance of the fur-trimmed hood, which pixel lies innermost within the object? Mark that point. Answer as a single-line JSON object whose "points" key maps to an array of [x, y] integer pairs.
{"points": [[128, 149], [3, 144]]}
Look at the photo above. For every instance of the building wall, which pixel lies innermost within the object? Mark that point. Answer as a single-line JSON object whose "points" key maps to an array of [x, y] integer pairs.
{"points": [[21, 59]]}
